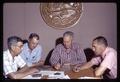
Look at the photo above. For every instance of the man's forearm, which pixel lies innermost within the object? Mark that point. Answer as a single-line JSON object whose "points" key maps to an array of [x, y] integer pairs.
{"points": [[86, 66], [23, 69], [21, 74]]}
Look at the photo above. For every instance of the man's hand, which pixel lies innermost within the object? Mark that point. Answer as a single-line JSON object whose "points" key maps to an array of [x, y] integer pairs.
{"points": [[22, 73], [76, 69], [33, 70], [37, 64], [57, 66]]}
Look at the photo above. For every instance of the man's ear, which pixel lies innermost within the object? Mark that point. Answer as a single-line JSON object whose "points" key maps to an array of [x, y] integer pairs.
{"points": [[13, 48]]}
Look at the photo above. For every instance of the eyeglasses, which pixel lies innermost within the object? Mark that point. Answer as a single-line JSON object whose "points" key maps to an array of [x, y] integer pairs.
{"points": [[21, 46]]}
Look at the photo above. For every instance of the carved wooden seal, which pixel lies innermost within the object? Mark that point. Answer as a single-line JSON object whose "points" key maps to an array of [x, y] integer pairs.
{"points": [[61, 15]]}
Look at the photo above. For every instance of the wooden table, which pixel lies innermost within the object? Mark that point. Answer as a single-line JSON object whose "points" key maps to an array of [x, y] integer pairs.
{"points": [[82, 73]]}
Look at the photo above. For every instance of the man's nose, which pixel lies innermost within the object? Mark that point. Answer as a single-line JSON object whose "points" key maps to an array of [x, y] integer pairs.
{"points": [[93, 49]]}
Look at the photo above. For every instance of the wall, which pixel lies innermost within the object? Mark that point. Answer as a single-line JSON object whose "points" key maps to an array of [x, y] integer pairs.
{"points": [[97, 19]]}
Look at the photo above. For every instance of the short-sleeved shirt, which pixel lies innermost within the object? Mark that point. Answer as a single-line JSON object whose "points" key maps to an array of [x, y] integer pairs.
{"points": [[11, 64], [33, 56], [75, 56], [109, 60]]}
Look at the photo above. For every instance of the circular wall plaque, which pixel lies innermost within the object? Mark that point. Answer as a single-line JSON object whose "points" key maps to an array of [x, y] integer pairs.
{"points": [[61, 15]]}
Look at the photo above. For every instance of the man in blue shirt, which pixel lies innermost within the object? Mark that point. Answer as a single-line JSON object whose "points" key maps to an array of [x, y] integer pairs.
{"points": [[32, 51]]}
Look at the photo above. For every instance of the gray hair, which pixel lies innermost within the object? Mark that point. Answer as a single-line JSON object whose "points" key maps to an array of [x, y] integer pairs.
{"points": [[13, 40], [68, 33]]}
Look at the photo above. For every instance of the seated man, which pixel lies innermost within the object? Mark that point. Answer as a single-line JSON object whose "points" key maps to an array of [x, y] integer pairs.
{"points": [[68, 52], [32, 51], [12, 61], [106, 59]]}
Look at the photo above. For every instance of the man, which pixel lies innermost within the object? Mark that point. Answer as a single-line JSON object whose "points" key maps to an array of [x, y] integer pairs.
{"points": [[106, 59], [32, 51], [14, 65], [67, 53]]}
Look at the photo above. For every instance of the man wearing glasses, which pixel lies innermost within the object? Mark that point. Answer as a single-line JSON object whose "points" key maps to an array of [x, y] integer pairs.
{"points": [[14, 66]]}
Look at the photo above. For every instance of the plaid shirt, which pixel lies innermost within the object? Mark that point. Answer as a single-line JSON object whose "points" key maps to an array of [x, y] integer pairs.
{"points": [[75, 56], [11, 64]]}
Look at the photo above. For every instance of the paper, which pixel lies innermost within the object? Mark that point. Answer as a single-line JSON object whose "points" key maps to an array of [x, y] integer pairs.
{"points": [[51, 72], [54, 74], [86, 77], [59, 77]]}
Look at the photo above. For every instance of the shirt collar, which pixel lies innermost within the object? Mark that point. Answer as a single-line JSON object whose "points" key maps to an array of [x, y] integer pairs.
{"points": [[27, 47], [104, 53], [10, 55], [70, 47]]}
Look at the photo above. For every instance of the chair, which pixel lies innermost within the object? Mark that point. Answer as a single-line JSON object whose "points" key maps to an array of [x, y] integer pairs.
{"points": [[89, 53]]}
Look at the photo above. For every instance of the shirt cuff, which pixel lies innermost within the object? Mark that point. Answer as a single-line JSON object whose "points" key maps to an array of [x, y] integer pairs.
{"points": [[29, 64]]}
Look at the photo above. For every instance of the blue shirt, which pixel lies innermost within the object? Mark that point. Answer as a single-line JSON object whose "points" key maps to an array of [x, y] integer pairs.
{"points": [[33, 56]]}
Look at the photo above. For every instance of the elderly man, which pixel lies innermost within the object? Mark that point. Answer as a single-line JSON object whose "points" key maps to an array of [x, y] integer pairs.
{"points": [[14, 66], [32, 51], [106, 59], [67, 53]]}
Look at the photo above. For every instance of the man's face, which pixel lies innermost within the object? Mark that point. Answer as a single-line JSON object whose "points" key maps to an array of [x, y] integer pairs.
{"points": [[67, 40], [18, 48], [33, 43], [97, 48]]}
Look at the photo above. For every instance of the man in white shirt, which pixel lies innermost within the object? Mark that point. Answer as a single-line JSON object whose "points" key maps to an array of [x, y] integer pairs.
{"points": [[14, 66]]}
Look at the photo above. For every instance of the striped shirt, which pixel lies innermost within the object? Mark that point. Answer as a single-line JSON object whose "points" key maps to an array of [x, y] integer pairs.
{"points": [[73, 56], [11, 64]]}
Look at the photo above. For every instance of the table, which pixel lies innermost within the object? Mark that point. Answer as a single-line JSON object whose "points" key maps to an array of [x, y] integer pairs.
{"points": [[82, 73], [73, 75]]}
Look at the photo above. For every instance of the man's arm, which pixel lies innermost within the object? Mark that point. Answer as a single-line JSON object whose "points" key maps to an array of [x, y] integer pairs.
{"points": [[23, 68], [100, 70], [39, 63], [87, 65], [55, 57], [38, 57], [22, 72], [81, 55]]}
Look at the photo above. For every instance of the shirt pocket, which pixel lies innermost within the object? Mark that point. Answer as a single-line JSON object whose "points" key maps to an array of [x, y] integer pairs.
{"points": [[34, 59]]}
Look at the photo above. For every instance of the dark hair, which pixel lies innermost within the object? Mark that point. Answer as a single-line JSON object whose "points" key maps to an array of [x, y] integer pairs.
{"points": [[34, 35], [68, 33], [13, 40], [101, 39]]}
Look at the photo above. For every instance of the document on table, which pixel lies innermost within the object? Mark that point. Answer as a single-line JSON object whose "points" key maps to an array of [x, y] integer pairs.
{"points": [[54, 74], [59, 77], [50, 74], [86, 77]]}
